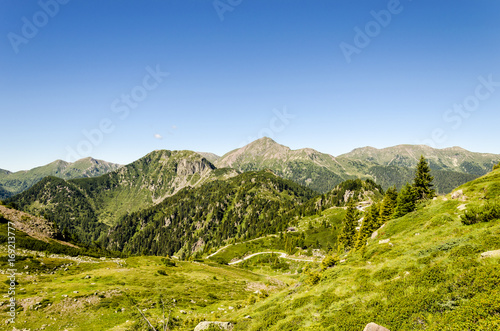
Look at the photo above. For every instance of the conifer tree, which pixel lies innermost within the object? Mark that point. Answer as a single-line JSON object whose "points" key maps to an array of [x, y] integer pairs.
{"points": [[388, 205], [369, 225], [423, 180], [348, 231], [406, 201]]}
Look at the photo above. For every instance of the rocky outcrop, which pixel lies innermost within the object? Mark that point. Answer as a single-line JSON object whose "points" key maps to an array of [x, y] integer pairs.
{"points": [[374, 327], [458, 195], [188, 167], [206, 325], [491, 253], [34, 226]]}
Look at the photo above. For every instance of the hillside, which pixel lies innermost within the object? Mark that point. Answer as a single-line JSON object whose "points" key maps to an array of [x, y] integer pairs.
{"points": [[16, 182], [4, 193], [426, 270], [195, 219], [444, 180]]}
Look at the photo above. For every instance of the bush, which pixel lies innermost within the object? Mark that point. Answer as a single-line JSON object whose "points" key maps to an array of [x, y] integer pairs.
{"points": [[168, 262], [329, 261], [486, 213], [314, 278]]}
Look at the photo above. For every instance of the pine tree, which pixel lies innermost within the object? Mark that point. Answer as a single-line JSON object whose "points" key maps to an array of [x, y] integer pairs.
{"points": [[369, 225], [347, 233], [388, 205], [406, 201], [423, 180]]}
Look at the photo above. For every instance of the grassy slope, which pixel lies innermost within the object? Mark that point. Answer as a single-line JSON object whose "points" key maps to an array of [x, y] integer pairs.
{"points": [[432, 277]]}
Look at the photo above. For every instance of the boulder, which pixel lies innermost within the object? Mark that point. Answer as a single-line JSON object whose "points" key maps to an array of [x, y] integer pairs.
{"points": [[457, 194], [491, 254], [206, 325], [384, 241], [374, 327]]}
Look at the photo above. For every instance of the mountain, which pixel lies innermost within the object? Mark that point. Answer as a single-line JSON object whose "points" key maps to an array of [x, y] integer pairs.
{"points": [[318, 171], [389, 166], [249, 205], [454, 159], [86, 206], [20, 181]]}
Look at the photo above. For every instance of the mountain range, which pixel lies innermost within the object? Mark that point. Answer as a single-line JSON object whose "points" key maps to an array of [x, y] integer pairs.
{"points": [[389, 166], [392, 166], [12, 183]]}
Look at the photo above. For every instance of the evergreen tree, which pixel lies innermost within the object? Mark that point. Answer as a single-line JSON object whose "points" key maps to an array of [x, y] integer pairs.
{"points": [[347, 233], [406, 201], [423, 180], [369, 225], [388, 205]]}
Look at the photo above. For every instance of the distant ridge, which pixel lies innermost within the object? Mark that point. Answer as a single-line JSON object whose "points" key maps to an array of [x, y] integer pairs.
{"points": [[17, 182], [321, 172]]}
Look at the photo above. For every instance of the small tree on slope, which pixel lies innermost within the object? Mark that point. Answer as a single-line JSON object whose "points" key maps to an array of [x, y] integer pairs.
{"points": [[406, 201], [348, 231], [423, 180], [369, 225], [388, 205]]}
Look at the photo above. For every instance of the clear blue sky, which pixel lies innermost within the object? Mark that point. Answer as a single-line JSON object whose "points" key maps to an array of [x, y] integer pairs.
{"points": [[64, 70]]}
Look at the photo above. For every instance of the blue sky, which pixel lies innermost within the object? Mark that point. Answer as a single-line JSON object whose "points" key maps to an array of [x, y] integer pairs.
{"points": [[330, 75]]}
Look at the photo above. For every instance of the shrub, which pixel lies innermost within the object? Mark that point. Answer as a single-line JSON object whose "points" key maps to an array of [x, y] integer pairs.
{"points": [[314, 278], [168, 262], [486, 213], [329, 261]]}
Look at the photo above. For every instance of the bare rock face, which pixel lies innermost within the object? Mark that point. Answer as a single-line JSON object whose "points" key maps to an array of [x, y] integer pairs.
{"points": [[187, 167], [374, 327], [206, 325]]}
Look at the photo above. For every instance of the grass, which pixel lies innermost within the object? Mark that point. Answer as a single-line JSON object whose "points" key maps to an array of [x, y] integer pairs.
{"points": [[93, 294]]}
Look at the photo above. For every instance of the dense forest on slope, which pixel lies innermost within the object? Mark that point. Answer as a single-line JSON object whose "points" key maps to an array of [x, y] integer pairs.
{"points": [[247, 206], [444, 181], [63, 203], [317, 178], [4, 193]]}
